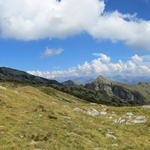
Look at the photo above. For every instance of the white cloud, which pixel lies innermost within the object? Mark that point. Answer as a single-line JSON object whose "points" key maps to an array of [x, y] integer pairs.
{"points": [[51, 52], [36, 19], [135, 67], [102, 56], [127, 28], [137, 58]]}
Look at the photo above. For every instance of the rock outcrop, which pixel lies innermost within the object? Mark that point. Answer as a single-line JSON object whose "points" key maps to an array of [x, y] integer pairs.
{"points": [[99, 84], [115, 89]]}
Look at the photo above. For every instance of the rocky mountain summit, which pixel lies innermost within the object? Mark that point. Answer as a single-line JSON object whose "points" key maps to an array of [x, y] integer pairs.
{"points": [[101, 84], [116, 89]]}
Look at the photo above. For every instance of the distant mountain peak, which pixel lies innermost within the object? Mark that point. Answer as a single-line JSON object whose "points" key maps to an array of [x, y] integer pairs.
{"points": [[71, 83], [101, 79]]}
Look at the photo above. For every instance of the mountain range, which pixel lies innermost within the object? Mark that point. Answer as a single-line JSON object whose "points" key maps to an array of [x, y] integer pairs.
{"points": [[100, 90]]}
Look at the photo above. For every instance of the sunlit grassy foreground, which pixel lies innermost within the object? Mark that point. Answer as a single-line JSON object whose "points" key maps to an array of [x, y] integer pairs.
{"points": [[46, 119]]}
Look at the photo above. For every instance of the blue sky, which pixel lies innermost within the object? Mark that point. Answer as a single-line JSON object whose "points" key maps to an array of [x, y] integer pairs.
{"points": [[44, 48]]}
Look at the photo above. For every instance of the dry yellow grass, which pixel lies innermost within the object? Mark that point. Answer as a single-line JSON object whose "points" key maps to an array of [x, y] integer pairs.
{"points": [[30, 119]]}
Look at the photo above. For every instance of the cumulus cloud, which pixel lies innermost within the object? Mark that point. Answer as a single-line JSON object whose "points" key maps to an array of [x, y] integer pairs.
{"points": [[36, 19], [137, 58], [102, 56], [51, 52], [135, 67]]}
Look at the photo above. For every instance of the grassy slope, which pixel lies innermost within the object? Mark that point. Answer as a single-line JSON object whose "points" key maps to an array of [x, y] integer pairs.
{"points": [[45, 119]]}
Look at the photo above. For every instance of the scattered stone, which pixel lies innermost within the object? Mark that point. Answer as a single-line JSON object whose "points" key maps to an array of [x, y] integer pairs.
{"points": [[1, 87], [110, 118], [100, 129], [93, 103], [90, 111], [67, 117], [103, 113], [40, 115], [72, 133], [110, 135], [54, 103], [30, 122], [16, 92], [102, 106], [120, 120], [139, 119], [78, 109], [129, 118], [115, 145], [33, 142], [21, 136], [129, 114], [26, 111], [146, 106]]}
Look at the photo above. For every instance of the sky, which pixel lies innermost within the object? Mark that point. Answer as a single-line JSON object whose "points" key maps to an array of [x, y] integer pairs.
{"points": [[78, 40]]}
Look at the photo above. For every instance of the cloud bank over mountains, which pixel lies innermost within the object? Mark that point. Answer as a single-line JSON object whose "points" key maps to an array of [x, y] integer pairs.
{"points": [[36, 19], [137, 67]]}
